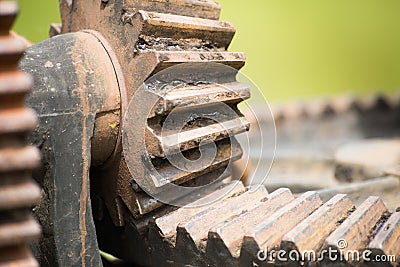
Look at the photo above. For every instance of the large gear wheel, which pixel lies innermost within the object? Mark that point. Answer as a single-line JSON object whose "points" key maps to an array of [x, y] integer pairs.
{"points": [[93, 131]]}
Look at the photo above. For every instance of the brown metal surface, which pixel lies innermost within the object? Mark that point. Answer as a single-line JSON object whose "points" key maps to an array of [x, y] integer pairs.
{"points": [[207, 9], [311, 233], [356, 229], [198, 226], [269, 233], [75, 84], [225, 240], [236, 234], [148, 37], [18, 192], [386, 241]]}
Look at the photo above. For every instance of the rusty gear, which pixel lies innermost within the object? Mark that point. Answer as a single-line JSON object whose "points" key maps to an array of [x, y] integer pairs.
{"points": [[18, 192], [86, 77]]}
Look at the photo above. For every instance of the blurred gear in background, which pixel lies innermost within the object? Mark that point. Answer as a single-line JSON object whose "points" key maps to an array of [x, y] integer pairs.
{"points": [[18, 192]]}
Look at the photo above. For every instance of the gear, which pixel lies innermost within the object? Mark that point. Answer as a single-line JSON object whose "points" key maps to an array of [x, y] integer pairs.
{"points": [[101, 137], [18, 192]]}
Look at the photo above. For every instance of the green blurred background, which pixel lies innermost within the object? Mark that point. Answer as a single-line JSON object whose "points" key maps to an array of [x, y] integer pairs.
{"points": [[295, 48]]}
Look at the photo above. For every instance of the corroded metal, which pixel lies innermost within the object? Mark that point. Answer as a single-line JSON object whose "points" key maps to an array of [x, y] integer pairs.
{"points": [[386, 240], [18, 192], [225, 239], [275, 221], [311, 233], [76, 93], [137, 41], [148, 37], [91, 78]]}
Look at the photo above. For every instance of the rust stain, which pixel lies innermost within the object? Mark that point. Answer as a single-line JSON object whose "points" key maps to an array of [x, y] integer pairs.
{"points": [[84, 193], [85, 166]]}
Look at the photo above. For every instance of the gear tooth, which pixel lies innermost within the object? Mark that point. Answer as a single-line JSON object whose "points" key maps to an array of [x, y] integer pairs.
{"points": [[372, 102], [8, 13], [191, 136], [295, 111], [19, 194], [176, 31], [15, 84], [269, 233], [12, 49], [55, 29], [163, 231], [311, 233], [20, 159], [19, 256], [385, 241], [18, 231], [167, 224], [278, 113], [17, 120], [206, 9], [202, 95], [381, 102], [345, 104], [355, 231], [319, 109], [192, 234], [225, 239], [225, 152], [166, 59]]}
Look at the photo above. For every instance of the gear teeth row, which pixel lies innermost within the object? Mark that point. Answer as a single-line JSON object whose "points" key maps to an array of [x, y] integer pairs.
{"points": [[269, 232], [195, 98], [18, 192], [322, 108], [190, 35], [226, 238], [354, 127], [232, 231]]}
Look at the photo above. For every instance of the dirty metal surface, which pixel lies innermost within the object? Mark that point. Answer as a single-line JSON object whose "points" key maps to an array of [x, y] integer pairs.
{"points": [[18, 192], [225, 239], [148, 37], [278, 221], [74, 82]]}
